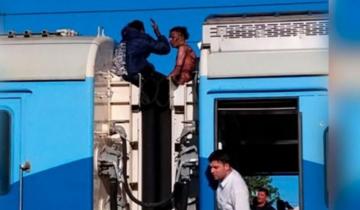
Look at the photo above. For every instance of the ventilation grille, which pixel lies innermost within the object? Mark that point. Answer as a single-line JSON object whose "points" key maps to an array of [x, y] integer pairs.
{"points": [[270, 30]]}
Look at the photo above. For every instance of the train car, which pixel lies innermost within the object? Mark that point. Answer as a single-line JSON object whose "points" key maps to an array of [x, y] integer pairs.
{"points": [[50, 85], [65, 120], [263, 97]]}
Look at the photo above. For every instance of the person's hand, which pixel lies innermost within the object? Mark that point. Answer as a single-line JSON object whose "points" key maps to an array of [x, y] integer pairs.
{"points": [[155, 27]]}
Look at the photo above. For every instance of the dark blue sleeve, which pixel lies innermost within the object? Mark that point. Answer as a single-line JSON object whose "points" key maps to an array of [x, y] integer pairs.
{"points": [[160, 46]]}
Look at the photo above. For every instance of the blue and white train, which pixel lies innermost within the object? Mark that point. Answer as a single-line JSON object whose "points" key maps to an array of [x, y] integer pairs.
{"points": [[263, 96], [47, 105]]}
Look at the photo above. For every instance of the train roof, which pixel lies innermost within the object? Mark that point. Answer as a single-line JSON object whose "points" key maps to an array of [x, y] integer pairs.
{"points": [[53, 57], [265, 17]]}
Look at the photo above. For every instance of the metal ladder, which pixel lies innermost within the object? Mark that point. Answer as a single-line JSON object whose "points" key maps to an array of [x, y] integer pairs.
{"points": [[124, 109], [117, 102]]}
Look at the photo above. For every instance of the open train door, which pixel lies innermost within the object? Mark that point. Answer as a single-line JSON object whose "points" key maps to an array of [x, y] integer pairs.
{"points": [[263, 138], [277, 143]]}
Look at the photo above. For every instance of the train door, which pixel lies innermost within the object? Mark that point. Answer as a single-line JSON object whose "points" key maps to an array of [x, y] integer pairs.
{"points": [[10, 153], [277, 143], [314, 115]]}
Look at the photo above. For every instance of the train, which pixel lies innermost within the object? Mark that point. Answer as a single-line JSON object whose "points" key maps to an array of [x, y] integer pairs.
{"points": [[72, 132]]}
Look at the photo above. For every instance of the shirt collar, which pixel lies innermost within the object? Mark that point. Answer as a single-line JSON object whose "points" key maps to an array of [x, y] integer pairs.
{"points": [[226, 180]]}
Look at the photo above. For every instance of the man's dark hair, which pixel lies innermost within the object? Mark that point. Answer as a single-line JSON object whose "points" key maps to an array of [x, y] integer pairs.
{"points": [[219, 155], [263, 189], [137, 24], [182, 30]]}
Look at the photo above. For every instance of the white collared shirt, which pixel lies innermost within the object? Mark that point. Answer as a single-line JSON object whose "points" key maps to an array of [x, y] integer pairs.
{"points": [[232, 193]]}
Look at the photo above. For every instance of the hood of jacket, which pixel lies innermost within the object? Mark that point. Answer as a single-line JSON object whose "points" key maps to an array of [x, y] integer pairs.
{"points": [[131, 33]]}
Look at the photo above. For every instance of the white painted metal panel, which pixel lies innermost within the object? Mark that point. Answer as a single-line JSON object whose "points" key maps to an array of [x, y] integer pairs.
{"points": [[266, 45], [53, 58], [268, 63]]}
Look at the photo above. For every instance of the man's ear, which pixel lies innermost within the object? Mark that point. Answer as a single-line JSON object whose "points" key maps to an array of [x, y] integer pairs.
{"points": [[227, 166]]}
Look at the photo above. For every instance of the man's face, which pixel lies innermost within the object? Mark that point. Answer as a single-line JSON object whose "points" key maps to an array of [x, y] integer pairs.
{"points": [[175, 38], [261, 197], [219, 170]]}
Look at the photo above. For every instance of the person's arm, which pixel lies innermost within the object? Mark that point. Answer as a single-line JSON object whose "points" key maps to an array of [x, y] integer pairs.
{"points": [[180, 60], [161, 45], [240, 198], [155, 27]]}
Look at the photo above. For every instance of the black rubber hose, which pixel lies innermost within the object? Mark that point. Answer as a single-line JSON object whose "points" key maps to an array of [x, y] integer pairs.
{"points": [[126, 185], [113, 194], [181, 194]]}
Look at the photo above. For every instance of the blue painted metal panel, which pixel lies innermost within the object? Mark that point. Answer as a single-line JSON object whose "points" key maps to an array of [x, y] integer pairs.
{"points": [[206, 145], [57, 112], [68, 186], [270, 84], [12, 104], [57, 188], [11, 200], [55, 134], [313, 186], [312, 92], [314, 110], [315, 120]]}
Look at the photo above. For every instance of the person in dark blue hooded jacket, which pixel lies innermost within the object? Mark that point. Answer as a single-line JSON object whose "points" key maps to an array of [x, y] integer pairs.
{"points": [[139, 46]]}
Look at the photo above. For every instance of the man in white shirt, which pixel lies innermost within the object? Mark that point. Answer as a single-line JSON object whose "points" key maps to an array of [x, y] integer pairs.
{"points": [[232, 192]]}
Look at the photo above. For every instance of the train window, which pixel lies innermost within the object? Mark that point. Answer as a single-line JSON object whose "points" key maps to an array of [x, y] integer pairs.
{"points": [[5, 143], [261, 136]]}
